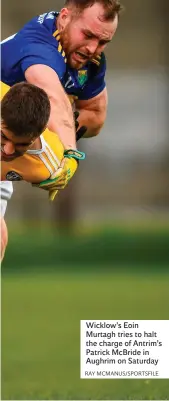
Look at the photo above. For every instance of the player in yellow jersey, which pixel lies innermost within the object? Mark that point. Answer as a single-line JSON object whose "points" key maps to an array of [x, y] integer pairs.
{"points": [[36, 156], [25, 153], [26, 112], [29, 151]]}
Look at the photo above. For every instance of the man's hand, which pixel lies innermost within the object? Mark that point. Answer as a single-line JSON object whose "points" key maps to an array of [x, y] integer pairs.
{"points": [[68, 165], [92, 113], [64, 173], [60, 178], [79, 131]]}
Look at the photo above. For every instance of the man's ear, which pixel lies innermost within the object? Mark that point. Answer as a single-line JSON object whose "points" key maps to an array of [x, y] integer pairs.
{"points": [[64, 18]]}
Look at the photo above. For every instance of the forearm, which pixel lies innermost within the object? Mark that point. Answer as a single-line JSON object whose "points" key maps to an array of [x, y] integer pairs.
{"points": [[61, 119]]}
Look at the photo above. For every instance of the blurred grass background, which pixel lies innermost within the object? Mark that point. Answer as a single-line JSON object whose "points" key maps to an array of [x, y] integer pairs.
{"points": [[51, 282], [138, 243], [111, 260]]}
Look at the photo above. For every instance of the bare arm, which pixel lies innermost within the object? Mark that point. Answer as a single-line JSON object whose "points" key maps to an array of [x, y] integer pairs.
{"points": [[93, 113], [61, 118], [4, 237]]}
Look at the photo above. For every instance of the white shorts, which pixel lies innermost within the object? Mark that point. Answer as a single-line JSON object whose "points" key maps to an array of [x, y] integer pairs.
{"points": [[6, 190]]}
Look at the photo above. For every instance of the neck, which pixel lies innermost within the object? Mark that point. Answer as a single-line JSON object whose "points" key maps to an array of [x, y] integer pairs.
{"points": [[36, 144]]}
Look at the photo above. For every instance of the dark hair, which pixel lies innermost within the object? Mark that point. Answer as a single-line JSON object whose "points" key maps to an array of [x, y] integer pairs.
{"points": [[25, 110], [111, 7]]}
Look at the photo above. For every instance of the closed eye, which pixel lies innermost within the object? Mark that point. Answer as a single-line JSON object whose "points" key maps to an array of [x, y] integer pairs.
{"points": [[23, 145], [88, 35], [103, 42]]}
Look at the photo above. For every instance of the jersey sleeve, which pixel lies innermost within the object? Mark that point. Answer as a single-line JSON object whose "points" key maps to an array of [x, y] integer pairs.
{"points": [[39, 53], [39, 46], [4, 89], [96, 82]]}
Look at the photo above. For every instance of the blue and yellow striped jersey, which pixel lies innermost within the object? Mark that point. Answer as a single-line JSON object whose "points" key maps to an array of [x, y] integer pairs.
{"points": [[38, 42]]}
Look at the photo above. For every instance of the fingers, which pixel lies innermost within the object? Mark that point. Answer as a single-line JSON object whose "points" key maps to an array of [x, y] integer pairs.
{"points": [[82, 130], [76, 114], [58, 173], [52, 194], [61, 177]]}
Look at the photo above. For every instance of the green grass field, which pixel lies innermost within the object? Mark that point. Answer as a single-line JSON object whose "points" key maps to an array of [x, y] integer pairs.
{"points": [[41, 315]]}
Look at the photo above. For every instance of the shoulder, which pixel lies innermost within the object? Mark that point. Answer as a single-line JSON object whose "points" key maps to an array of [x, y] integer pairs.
{"points": [[39, 43], [53, 141], [39, 29], [4, 89], [43, 30], [45, 20]]}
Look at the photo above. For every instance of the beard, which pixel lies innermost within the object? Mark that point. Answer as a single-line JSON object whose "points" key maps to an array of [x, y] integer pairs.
{"points": [[64, 39], [74, 62], [74, 59]]}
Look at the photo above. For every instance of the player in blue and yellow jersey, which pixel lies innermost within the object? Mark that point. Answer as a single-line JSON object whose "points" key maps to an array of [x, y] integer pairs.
{"points": [[63, 54]]}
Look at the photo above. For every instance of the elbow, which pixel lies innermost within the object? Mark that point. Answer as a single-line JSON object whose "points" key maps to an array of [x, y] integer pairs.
{"points": [[99, 124], [95, 128], [94, 131]]}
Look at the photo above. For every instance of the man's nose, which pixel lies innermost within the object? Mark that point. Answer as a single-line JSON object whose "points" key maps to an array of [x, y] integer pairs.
{"points": [[92, 46], [9, 148]]}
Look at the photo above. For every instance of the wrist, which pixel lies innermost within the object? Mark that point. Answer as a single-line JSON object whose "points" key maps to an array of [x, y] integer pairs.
{"points": [[74, 153], [68, 147]]}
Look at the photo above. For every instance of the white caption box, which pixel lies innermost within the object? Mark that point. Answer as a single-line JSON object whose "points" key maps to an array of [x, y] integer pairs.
{"points": [[122, 349]]}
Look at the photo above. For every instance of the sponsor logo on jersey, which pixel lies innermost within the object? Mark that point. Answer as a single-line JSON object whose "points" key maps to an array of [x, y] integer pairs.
{"points": [[51, 15], [13, 176], [69, 83], [82, 77], [41, 18]]}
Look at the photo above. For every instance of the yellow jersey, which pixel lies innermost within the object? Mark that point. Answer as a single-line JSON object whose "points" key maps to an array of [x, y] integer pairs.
{"points": [[35, 165]]}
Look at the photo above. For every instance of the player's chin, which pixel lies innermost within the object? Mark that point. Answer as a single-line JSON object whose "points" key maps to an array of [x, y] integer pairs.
{"points": [[75, 63], [9, 158]]}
